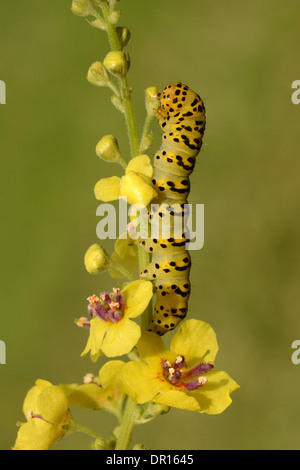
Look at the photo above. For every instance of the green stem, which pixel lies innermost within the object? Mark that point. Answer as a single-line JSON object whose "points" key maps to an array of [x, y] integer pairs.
{"points": [[122, 270], [128, 422], [86, 430], [127, 426], [146, 127], [124, 88]]}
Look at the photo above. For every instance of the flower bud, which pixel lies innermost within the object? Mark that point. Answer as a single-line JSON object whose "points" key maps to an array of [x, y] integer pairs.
{"points": [[108, 149], [151, 99], [81, 8], [117, 103], [116, 63], [114, 17], [97, 74], [123, 35], [146, 142], [96, 260]]}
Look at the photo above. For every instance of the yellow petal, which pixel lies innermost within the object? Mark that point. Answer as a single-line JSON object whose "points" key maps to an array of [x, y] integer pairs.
{"points": [[214, 396], [88, 396], [140, 381], [193, 339], [177, 399], [110, 373], [53, 404], [108, 189], [35, 435], [137, 296], [98, 330], [150, 346], [137, 188], [140, 164], [121, 337], [31, 399]]}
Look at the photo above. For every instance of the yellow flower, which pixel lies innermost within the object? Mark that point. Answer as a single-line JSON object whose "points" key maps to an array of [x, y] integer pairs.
{"points": [[46, 410], [102, 392], [136, 185], [180, 377], [112, 331]]}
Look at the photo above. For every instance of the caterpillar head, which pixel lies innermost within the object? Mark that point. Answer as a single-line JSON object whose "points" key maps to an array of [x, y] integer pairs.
{"points": [[172, 99]]}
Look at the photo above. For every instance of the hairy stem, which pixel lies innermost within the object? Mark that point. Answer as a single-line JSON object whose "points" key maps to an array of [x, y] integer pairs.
{"points": [[127, 426], [124, 88]]}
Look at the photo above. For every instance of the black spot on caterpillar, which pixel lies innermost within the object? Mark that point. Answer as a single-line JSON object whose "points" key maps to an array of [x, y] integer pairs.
{"points": [[181, 115]]}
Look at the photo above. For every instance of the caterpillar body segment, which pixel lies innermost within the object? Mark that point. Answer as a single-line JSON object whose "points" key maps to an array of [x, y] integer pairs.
{"points": [[181, 116]]}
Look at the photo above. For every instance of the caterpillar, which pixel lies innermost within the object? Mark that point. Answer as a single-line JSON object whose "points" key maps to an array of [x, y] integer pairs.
{"points": [[181, 115]]}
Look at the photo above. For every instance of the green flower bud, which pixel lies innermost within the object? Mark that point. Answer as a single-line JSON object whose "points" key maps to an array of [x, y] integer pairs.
{"points": [[81, 8], [117, 103], [97, 74], [151, 99], [97, 23], [124, 35], [96, 260], [146, 142], [114, 17], [108, 149], [116, 63]]}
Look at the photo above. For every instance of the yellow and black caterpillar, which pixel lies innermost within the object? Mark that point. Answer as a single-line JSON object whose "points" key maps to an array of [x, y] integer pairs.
{"points": [[181, 115]]}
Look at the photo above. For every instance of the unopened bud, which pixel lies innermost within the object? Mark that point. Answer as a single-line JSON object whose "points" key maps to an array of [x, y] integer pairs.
{"points": [[114, 17], [151, 99], [146, 142], [108, 149], [123, 35], [96, 260], [81, 8], [117, 103], [116, 63], [97, 74]]}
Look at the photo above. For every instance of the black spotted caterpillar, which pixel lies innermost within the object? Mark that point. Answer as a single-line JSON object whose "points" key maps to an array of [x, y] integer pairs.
{"points": [[181, 115]]}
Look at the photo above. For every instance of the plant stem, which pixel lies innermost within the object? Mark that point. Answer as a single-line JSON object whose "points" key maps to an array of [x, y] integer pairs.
{"points": [[127, 426], [86, 430], [122, 270], [128, 422], [123, 85]]}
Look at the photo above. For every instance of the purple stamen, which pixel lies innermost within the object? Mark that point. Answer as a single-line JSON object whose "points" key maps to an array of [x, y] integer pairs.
{"points": [[201, 369], [109, 307]]}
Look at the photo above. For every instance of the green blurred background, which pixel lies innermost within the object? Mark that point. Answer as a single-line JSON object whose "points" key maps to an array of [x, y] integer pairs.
{"points": [[242, 58]]}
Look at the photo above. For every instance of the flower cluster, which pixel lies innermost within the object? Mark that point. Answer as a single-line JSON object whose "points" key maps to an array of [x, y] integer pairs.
{"points": [[154, 378]]}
